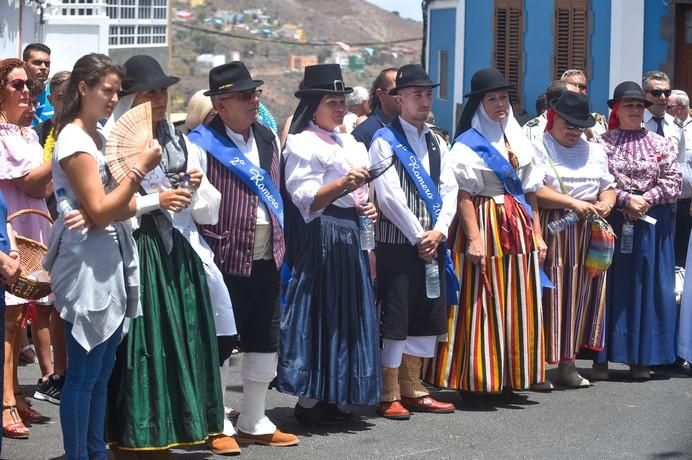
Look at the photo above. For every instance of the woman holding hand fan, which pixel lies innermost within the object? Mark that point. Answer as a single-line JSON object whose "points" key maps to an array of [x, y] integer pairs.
{"points": [[94, 274], [185, 303]]}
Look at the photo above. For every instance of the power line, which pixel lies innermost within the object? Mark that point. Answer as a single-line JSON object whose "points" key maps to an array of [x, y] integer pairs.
{"points": [[287, 42]]}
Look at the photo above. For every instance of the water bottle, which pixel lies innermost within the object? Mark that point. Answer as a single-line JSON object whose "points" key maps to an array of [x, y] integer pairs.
{"points": [[432, 280], [562, 223], [627, 238], [65, 205], [185, 183], [367, 234]]}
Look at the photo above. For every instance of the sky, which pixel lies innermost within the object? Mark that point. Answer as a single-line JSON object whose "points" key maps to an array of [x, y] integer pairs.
{"points": [[406, 8]]}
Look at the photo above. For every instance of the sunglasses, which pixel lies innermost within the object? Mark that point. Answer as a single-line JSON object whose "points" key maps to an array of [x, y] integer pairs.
{"points": [[581, 86], [245, 95], [659, 92], [574, 128], [375, 171], [19, 84], [674, 106]]}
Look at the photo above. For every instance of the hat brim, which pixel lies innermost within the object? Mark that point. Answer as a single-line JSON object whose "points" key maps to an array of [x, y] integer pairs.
{"points": [[589, 122], [487, 90], [424, 84], [140, 87], [320, 91], [236, 87], [647, 103]]}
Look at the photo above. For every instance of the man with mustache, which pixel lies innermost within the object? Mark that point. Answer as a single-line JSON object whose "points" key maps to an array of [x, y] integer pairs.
{"points": [[36, 56], [247, 241]]}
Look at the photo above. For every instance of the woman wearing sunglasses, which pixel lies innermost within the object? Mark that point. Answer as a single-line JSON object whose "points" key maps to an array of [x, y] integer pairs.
{"points": [[577, 182], [329, 332], [640, 304], [25, 182]]}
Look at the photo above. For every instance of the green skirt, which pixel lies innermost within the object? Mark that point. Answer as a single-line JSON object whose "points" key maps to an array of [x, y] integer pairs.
{"points": [[165, 389]]}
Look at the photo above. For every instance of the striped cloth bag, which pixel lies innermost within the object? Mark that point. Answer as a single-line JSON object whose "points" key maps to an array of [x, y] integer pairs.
{"points": [[601, 247]]}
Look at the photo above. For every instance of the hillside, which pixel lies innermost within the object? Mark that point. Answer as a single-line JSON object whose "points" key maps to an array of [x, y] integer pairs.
{"points": [[317, 21]]}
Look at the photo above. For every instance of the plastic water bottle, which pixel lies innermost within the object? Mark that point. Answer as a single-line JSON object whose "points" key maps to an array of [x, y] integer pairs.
{"points": [[367, 233], [562, 223], [432, 280], [627, 238], [185, 183], [65, 205]]}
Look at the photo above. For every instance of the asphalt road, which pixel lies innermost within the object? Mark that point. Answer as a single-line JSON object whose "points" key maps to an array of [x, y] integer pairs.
{"points": [[614, 419]]}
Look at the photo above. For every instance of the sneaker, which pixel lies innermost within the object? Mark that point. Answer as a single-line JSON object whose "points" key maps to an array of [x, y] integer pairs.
{"points": [[51, 389]]}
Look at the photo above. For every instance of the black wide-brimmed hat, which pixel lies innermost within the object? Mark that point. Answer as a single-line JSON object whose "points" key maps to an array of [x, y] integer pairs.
{"points": [[628, 90], [144, 73], [574, 108], [232, 77], [410, 75], [323, 79], [486, 80]]}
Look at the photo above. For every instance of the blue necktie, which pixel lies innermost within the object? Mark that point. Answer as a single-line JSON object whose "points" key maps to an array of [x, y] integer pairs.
{"points": [[659, 125]]}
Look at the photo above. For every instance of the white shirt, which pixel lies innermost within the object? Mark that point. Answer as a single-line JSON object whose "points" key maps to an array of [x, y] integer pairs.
{"points": [[350, 120], [582, 168], [391, 197], [315, 157], [686, 165], [535, 127], [249, 149], [671, 130]]}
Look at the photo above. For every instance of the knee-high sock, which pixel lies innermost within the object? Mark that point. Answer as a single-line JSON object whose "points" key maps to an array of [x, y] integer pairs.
{"points": [[390, 384], [257, 371], [409, 377]]}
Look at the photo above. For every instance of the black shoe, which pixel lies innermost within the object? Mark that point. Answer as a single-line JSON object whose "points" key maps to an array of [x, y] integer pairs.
{"points": [[322, 414], [51, 389]]}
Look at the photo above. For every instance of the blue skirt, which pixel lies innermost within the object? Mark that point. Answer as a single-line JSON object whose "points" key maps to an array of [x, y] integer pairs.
{"points": [[685, 324], [329, 347], [640, 304]]}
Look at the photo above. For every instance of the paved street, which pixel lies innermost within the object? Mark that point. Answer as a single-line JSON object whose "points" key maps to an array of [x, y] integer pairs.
{"points": [[614, 419]]}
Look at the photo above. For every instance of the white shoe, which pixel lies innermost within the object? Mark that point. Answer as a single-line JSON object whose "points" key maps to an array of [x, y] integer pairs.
{"points": [[568, 376], [543, 387], [599, 371]]}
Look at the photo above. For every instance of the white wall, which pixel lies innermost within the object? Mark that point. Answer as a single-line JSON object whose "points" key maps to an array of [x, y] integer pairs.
{"points": [[626, 41], [69, 42], [12, 37]]}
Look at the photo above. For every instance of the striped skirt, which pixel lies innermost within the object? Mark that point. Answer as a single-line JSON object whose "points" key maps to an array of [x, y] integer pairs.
{"points": [[495, 335], [574, 311]]}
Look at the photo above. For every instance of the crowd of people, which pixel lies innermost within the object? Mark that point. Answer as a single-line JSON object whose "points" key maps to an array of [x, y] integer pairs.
{"points": [[359, 257]]}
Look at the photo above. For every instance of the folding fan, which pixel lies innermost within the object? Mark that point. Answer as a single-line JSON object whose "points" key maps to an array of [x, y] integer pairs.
{"points": [[131, 135], [375, 171]]}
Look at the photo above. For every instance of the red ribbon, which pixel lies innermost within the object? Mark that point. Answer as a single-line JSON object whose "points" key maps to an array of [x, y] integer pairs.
{"points": [[613, 120]]}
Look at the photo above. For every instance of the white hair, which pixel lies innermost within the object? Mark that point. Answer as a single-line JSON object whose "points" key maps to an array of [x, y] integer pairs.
{"points": [[357, 97], [681, 97], [572, 73]]}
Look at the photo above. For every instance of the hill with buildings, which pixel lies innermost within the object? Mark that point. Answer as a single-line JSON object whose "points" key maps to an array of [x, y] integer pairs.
{"points": [[277, 38]]}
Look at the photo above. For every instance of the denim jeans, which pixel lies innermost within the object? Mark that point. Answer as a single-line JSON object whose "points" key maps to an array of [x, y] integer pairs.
{"points": [[83, 401]]}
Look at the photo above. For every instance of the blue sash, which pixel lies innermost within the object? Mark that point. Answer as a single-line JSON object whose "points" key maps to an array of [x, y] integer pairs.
{"points": [[495, 161], [228, 154], [427, 190], [504, 172]]}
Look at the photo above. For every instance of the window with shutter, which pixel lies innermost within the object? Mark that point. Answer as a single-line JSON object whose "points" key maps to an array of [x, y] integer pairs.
{"points": [[509, 56], [571, 43]]}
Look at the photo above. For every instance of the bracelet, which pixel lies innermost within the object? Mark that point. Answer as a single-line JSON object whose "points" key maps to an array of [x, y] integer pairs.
{"points": [[138, 172], [134, 177], [14, 250]]}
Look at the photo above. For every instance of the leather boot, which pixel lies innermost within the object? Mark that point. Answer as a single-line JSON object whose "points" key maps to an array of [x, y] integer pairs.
{"points": [[390, 403], [415, 397]]}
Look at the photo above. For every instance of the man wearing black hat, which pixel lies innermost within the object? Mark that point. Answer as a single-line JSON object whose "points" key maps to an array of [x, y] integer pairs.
{"points": [[248, 240], [415, 216]]}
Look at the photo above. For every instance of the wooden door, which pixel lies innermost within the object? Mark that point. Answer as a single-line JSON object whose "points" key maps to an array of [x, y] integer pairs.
{"points": [[683, 48]]}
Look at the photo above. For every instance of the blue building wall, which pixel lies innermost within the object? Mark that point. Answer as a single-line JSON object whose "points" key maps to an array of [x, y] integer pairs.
{"points": [[655, 47], [478, 38], [599, 45], [538, 50], [443, 37]]}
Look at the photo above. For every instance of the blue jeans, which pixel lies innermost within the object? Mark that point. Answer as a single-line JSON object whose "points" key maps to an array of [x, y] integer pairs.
{"points": [[83, 401]]}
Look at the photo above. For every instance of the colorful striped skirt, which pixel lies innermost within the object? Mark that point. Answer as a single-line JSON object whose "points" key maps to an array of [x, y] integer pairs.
{"points": [[574, 311], [495, 335]]}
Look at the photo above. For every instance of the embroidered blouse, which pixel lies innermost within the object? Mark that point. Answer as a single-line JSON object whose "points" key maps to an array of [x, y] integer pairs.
{"points": [[643, 163]]}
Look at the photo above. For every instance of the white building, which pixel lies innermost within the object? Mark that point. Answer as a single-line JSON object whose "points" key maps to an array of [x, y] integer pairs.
{"points": [[72, 28]]}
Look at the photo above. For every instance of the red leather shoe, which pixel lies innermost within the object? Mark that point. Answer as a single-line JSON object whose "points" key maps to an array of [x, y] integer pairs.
{"points": [[30, 415], [393, 410], [427, 404]]}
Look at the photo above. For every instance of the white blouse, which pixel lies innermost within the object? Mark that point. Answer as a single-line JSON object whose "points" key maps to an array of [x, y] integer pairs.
{"points": [[315, 157], [475, 177], [582, 168]]}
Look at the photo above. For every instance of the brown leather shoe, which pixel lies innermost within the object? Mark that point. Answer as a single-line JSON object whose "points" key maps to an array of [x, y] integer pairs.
{"points": [[427, 404], [223, 445], [393, 410], [276, 439]]}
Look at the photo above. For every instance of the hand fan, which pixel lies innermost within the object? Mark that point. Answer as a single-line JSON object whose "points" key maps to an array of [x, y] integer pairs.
{"points": [[131, 135], [375, 171]]}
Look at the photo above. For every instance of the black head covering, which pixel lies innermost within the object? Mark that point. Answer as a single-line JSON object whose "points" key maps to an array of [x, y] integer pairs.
{"points": [[304, 112]]}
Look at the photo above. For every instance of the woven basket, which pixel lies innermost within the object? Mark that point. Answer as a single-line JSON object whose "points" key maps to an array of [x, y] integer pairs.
{"points": [[32, 254]]}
